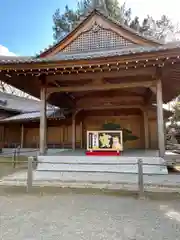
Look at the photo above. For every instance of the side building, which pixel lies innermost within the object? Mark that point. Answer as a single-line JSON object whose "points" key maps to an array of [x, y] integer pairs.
{"points": [[19, 120]]}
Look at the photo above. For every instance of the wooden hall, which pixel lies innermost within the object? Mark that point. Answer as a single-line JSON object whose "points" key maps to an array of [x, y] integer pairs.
{"points": [[101, 72]]}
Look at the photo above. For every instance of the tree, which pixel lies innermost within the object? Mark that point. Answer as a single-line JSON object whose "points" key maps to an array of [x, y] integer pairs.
{"points": [[127, 134], [158, 29], [64, 23], [176, 112]]}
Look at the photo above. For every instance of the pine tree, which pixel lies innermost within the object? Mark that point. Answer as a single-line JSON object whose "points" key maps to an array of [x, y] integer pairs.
{"points": [[127, 134], [64, 23]]}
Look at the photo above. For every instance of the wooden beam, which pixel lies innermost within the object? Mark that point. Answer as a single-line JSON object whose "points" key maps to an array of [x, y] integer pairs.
{"points": [[150, 71], [108, 101], [113, 107], [98, 81], [103, 87]]}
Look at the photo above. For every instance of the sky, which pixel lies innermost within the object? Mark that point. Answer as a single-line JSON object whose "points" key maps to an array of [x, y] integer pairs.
{"points": [[26, 25]]}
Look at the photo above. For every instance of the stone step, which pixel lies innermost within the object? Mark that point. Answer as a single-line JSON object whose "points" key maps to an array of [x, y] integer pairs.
{"points": [[100, 159], [99, 164]]}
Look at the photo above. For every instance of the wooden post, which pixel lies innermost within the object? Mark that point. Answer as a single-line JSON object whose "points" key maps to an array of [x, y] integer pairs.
{"points": [[81, 134], [74, 132], [146, 129], [14, 158], [22, 135], [160, 120], [43, 122], [30, 174], [140, 178]]}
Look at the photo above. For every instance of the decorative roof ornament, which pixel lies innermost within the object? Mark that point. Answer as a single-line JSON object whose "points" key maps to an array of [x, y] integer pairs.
{"points": [[95, 27], [99, 5]]}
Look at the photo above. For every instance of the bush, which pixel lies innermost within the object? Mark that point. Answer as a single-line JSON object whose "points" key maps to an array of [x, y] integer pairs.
{"points": [[127, 134]]}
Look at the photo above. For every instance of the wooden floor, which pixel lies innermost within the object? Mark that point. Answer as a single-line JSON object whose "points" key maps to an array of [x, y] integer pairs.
{"points": [[127, 153]]}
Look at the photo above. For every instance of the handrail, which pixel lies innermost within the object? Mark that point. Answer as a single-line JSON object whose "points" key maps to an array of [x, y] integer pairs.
{"points": [[16, 153]]}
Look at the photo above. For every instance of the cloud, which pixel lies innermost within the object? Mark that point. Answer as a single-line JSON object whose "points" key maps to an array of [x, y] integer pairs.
{"points": [[4, 51]]}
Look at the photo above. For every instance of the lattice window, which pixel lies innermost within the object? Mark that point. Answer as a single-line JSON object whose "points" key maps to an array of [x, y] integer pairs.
{"points": [[96, 39]]}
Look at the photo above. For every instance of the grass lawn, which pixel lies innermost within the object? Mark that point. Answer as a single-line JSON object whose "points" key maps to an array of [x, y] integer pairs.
{"points": [[6, 165]]}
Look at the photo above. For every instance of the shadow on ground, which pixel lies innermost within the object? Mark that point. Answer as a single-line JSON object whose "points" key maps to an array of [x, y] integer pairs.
{"points": [[42, 191]]}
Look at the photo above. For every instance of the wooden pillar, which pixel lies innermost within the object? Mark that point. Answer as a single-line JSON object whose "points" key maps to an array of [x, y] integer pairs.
{"points": [[146, 129], [81, 134], [74, 132], [22, 135], [2, 130], [160, 120], [43, 122], [62, 138]]}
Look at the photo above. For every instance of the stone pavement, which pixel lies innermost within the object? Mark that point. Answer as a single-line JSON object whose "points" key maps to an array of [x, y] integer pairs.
{"points": [[73, 216]]}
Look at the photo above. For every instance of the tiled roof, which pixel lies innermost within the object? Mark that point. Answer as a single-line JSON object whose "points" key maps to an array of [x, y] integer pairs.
{"points": [[16, 59], [90, 55], [33, 116], [19, 104], [109, 53]]}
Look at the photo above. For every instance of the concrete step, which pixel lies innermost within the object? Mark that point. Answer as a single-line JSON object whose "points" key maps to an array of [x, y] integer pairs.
{"points": [[99, 164]]}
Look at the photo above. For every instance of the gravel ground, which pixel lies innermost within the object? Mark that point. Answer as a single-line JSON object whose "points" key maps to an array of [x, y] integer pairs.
{"points": [[73, 216]]}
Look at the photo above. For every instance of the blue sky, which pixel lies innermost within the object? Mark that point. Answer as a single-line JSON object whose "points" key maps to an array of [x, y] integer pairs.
{"points": [[26, 25]]}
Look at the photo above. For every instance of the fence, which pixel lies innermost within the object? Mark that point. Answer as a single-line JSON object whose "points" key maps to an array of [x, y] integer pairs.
{"points": [[16, 154], [139, 163]]}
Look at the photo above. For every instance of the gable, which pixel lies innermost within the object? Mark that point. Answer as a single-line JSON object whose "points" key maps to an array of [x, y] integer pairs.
{"points": [[97, 38], [98, 32]]}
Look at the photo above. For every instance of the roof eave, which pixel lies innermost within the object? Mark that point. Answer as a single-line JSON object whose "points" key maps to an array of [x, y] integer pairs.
{"points": [[52, 63]]}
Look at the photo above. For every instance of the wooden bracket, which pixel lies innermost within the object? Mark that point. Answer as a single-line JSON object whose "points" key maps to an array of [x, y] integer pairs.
{"points": [[42, 79], [76, 112], [153, 89]]}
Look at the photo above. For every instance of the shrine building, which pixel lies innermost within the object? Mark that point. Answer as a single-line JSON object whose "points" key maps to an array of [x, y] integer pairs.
{"points": [[101, 72]]}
